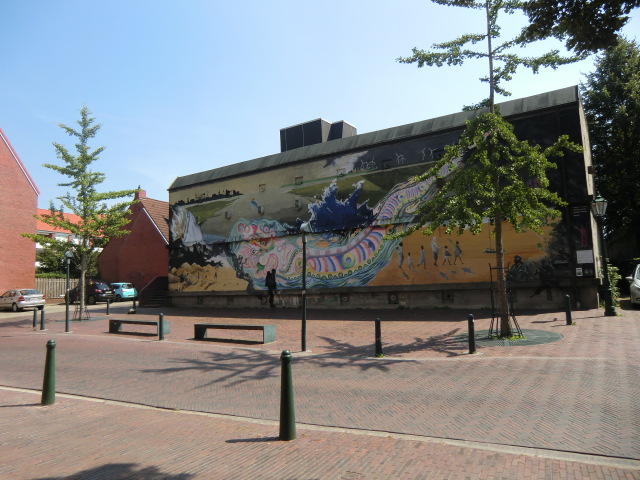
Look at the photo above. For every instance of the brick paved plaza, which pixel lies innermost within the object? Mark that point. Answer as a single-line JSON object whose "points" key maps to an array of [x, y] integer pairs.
{"points": [[131, 406]]}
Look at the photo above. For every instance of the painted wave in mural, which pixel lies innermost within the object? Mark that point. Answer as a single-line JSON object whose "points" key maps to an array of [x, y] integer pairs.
{"points": [[335, 257]]}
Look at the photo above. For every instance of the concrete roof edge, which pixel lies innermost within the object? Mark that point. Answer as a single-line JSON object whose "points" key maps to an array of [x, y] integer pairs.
{"points": [[366, 140]]}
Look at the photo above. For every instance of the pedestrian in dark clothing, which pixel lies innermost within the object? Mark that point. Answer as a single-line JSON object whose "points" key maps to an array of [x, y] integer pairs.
{"points": [[270, 282]]}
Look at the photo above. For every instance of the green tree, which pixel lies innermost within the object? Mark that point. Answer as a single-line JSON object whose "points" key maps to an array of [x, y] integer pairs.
{"points": [[482, 176], [586, 25], [99, 220], [50, 259], [502, 59], [611, 97]]}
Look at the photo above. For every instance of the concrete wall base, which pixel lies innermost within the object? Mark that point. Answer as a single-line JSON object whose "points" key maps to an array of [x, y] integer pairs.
{"points": [[523, 298]]}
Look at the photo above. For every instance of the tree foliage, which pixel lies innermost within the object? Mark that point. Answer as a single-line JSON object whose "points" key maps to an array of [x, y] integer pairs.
{"points": [[503, 59], [487, 171], [585, 25], [99, 220], [611, 98], [50, 259]]}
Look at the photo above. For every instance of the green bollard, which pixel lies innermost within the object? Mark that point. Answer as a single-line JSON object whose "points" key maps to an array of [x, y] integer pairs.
{"points": [[567, 309], [49, 382], [378, 332], [472, 334], [35, 317], [161, 326], [42, 319], [287, 410]]}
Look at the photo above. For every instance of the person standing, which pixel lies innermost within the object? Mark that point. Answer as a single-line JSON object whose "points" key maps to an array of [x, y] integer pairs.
{"points": [[270, 282]]}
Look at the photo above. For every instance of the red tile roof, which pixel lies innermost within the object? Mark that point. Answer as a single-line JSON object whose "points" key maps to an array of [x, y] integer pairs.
{"points": [[43, 227], [158, 211]]}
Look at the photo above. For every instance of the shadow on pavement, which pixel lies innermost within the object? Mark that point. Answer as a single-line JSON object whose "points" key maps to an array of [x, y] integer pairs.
{"points": [[115, 471]]}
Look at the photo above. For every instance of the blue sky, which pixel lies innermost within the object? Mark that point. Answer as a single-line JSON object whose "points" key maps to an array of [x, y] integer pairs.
{"points": [[183, 87]]}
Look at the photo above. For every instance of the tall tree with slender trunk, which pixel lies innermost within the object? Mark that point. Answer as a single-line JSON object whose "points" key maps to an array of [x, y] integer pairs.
{"points": [[102, 216], [482, 176]]}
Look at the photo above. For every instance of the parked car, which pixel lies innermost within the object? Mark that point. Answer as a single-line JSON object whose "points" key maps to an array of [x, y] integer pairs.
{"points": [[634, 287], [124, 291], [94, 292], [21, 298]]}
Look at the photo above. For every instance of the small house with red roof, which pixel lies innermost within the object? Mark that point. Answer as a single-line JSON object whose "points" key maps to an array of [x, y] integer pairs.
{"points": [[19, 201], [142, 256], [58, 233]]}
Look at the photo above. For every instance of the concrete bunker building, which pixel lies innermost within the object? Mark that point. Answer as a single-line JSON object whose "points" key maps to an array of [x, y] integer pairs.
{"points": [[231, 225]]}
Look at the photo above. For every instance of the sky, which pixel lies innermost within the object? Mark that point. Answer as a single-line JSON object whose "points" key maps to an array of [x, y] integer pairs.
{"points": [[185, 87]]}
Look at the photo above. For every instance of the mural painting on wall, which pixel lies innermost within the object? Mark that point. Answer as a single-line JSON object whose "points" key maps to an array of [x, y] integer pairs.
{"points": [[228, 240]]}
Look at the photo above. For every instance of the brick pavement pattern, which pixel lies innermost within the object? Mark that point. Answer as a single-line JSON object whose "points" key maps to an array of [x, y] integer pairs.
{"points": [[579, 396]]}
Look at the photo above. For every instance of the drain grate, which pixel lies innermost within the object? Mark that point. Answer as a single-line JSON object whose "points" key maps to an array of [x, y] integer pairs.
{"points": [[532, 337]]}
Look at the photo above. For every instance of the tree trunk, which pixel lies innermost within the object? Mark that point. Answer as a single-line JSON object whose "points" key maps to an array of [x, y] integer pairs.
{"points": [[503, 305]]}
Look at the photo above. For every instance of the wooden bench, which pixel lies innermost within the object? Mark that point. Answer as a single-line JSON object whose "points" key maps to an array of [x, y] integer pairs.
{"points": [[268, 331], [115, 325]]}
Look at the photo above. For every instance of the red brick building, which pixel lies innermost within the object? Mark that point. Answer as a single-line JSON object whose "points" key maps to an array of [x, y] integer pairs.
{"points": [[19, 201], [142, 256]]}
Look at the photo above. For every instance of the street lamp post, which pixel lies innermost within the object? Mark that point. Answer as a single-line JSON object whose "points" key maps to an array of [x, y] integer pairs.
{"points": [[599, 208], [68, 255], [304, 228]]}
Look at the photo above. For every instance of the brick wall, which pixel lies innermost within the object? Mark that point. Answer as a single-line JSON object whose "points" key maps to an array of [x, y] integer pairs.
{"points": [[139, 257], [18, 204]]}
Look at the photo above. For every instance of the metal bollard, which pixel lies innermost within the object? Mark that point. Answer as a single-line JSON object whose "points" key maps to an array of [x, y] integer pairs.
{"points": [[472, 335], [378, 338], [287, 409], [35, 317], [567, 309], [161, 326], [108, 306], [49, 382], [42, 319]]}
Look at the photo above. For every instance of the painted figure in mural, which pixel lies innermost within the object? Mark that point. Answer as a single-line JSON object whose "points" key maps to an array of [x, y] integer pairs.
{"points": [[519, 271], [400, 254], [423, 257], [457, 253], [447, 255], [410, 261], [436, 250], [270, 282]]}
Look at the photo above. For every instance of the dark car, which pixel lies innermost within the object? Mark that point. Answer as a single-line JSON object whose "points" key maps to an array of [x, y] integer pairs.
{"points": [[94, 292]]}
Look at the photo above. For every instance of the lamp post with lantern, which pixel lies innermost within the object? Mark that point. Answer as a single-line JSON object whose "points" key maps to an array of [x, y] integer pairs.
{"points": [[599, 208], [68, 255], [304, 228]]}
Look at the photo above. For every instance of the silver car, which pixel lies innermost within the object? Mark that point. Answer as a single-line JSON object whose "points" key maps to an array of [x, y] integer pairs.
{"points": [[21, 298], [634, 287]]}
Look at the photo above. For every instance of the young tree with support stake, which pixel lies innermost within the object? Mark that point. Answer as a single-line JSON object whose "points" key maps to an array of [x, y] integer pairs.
{"points": [[486, 170], [99, 221]]}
